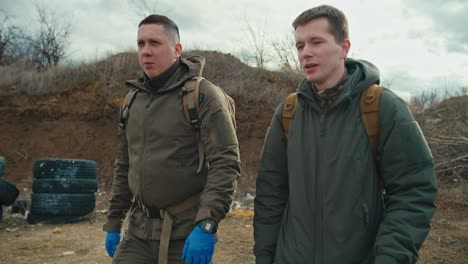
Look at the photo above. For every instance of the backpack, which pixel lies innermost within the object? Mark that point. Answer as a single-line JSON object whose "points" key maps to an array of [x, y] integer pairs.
{"points": [[369, 108], [191, 105]]}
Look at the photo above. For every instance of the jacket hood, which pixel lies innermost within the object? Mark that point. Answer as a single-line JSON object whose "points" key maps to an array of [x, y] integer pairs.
{"points": [[189, 67], [361, 75]]}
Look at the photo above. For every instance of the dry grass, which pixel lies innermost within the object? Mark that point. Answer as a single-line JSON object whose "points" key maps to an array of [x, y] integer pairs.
{"points": [[22, 77], [239, 80], [245, 83]]}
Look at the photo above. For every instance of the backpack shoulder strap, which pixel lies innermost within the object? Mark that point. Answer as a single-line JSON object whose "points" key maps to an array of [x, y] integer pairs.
{"points": [[287, 114], [125, 110], [370, 107], [191, 104], [190, 100]]}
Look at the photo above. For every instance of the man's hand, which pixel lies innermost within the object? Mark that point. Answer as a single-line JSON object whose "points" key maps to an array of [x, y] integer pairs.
{"points": [[112, 240], [199, 247]]}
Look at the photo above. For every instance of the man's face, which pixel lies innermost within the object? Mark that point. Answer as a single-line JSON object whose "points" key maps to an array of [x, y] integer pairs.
{"points": [[320, 56], [156, 51]]}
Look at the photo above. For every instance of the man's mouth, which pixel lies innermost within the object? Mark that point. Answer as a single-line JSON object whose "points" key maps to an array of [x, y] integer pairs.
{"points": [[309, 66]]}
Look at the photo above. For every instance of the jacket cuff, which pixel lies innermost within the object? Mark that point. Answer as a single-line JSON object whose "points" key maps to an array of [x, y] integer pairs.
{"points": [[112, 225], [206, 213], [385, 259], [264, 260]]}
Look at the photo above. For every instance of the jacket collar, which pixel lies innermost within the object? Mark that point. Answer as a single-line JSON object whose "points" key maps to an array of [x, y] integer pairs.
{"points": [[157, 82], [360, 75], [184, 69]]}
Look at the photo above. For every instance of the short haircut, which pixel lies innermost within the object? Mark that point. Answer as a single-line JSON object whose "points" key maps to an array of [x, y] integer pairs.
{"points": [[338, 24], [169, 26]]}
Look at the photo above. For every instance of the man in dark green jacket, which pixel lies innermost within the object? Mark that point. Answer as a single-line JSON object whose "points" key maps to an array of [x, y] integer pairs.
{"points": [[170, 190], [318, 195]]}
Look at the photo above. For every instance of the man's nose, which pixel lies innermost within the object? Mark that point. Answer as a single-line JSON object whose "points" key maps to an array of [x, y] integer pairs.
{"points": [[145, 51], [307, 52]]}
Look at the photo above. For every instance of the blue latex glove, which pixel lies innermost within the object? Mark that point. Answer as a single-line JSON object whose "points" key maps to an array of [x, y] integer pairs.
{"points": [[199, 247], [112, 240]]}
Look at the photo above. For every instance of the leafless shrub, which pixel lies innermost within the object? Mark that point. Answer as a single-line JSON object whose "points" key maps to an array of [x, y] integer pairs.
{"points": [[143, 9], [286, 54], [12, 41], [445, 126], [428, 99], [257, 50], [48, 45]]}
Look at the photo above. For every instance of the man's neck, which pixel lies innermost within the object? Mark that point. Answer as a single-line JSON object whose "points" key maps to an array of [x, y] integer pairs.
{"points": [[158, 81]]}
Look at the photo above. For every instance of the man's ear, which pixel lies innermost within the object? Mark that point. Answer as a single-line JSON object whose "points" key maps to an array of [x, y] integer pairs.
{"points": [[345, 45], [178, 49]]}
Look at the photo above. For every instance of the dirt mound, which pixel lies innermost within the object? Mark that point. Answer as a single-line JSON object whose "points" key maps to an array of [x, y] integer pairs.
{"points": [[81, 123], [446, 128]]}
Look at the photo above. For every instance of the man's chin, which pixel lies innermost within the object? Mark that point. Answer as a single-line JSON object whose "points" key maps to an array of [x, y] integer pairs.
{"points": [[311, 79], [151, 74]]}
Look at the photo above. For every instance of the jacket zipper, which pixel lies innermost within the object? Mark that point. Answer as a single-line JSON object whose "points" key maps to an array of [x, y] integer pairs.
{"points": [[366, 214], [318, 215], [143, 147]]}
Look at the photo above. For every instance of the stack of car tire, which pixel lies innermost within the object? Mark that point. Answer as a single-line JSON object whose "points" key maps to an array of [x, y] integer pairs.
{"points": [[8, 192], [64, 190]]}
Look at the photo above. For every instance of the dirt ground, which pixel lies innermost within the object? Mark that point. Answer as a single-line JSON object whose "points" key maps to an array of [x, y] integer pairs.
{"points": [[84, 242], [83, 125]]}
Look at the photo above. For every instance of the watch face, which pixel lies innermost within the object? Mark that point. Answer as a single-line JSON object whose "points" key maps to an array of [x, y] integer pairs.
{"points": [[208, 226]]}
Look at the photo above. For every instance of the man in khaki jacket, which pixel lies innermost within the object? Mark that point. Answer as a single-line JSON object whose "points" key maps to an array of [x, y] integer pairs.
{"points": [[174, 204]]}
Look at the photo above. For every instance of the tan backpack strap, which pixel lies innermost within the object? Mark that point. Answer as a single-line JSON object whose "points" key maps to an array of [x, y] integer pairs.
{"points": [[125, 110], [166, 229], [191, 104], [289, 109], [370, 107], [190, 101]]}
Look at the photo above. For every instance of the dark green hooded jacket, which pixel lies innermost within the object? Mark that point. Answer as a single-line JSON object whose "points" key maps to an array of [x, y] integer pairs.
{"points": [[318, 197]]}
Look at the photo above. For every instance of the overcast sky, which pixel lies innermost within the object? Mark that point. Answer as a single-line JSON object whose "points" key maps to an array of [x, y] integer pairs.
{"points": [[417, 44]]}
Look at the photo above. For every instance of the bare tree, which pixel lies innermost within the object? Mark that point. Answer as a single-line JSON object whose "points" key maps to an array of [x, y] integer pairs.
{"points": [[286, 54], [49, 44], [143, 9], [9, 34], [257, 50]]}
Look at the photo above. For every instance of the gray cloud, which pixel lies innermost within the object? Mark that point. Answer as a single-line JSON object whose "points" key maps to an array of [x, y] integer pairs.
{"points": [[449, 17]]}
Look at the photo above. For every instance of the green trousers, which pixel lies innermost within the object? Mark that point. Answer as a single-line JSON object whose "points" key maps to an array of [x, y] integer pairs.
{"points": [[140, 251]]}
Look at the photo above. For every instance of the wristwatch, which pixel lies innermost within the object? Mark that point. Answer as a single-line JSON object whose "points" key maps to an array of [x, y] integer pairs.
{"points": [[208, 226]]}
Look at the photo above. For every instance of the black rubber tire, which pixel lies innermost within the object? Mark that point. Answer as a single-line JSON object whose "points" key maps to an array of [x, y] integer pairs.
{"points": [[52, 220], [2, 165], [8, 193], [59, 204], [64, 168], [64, 186]]}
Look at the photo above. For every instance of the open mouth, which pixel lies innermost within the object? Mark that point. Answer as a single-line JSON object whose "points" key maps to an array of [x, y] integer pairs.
{"points": [[309, 66]]}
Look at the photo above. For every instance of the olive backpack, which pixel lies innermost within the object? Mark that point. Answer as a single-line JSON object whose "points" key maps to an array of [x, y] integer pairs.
{"points": [[191, 100]]}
